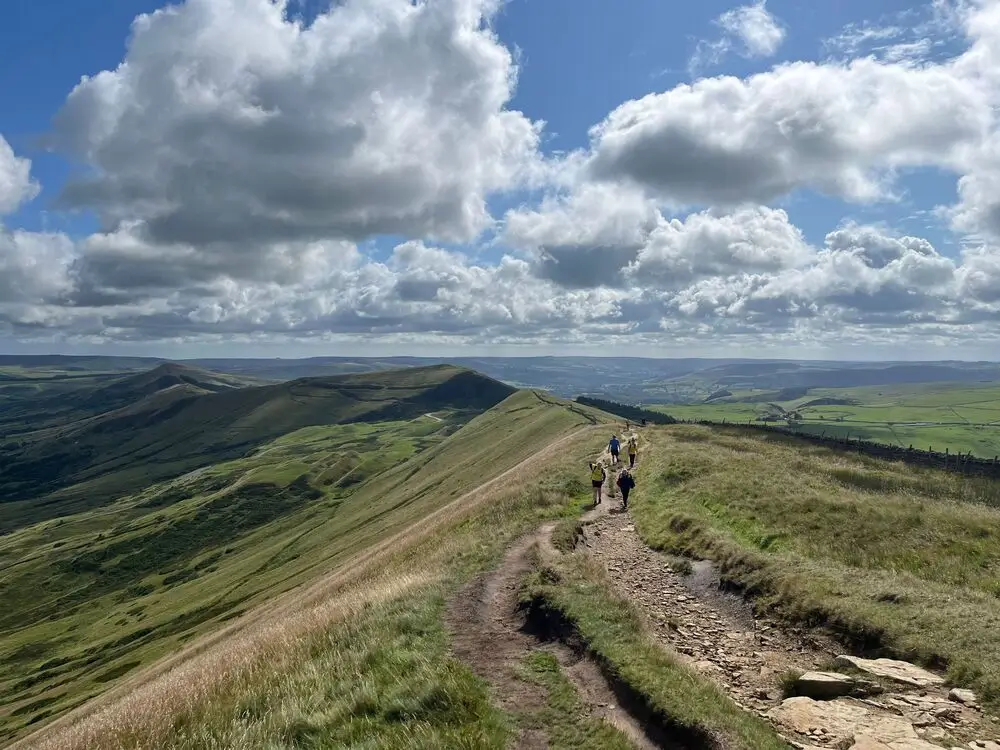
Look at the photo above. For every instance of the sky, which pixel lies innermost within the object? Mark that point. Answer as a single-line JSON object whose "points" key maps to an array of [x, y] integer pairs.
{"points": [[302, 177]]}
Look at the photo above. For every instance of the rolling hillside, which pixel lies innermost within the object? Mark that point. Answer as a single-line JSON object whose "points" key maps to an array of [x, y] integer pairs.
{"points": [[437, 577], [177, 424], [97, 594]]}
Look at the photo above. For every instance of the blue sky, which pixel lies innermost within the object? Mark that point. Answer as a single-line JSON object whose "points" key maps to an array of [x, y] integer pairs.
{"points": [[577, 62]]}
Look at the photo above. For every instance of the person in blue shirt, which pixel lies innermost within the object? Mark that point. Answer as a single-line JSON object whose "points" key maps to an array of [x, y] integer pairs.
{"points": [[614, 447]]}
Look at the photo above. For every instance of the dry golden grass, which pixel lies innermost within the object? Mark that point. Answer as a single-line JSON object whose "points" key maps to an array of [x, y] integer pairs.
{"points": [[143, 711]]}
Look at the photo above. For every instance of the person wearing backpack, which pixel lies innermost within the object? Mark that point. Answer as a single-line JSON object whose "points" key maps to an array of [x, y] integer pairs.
{"points": [[625, 483], [597, 477], [633, 450]]}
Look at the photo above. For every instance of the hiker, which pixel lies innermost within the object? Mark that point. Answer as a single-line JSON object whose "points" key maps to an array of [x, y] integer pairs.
{"points": [[614, 447], [633, 450], [597, 477], [625, 483]]}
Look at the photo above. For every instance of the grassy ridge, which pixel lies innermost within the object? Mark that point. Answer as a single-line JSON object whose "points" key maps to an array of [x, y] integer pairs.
{"points": [[891, 557], [290, 643], [82, 464], [374, 480]]}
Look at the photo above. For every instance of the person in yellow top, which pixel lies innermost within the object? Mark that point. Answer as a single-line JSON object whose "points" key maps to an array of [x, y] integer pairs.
{"points": [[633, 451], [597, 477]]}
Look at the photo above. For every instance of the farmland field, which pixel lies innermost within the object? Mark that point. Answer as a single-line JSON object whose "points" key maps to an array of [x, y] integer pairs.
{"points": [[959, 417]]}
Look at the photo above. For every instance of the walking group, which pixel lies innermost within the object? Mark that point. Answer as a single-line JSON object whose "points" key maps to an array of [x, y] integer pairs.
{"points": [[624, 481]]}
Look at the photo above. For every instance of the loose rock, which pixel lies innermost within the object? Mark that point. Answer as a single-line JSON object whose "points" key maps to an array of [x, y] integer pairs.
{"points": [[893, 669], [961, 695], [842, 719], [823, 685]]}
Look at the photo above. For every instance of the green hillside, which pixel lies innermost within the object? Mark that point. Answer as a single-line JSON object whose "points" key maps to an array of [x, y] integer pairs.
{"points": [[93, 596], [178, 424]]}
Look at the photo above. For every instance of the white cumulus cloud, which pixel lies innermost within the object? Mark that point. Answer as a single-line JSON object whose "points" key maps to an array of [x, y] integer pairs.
{"points": [[16, 184], [229, 123]]}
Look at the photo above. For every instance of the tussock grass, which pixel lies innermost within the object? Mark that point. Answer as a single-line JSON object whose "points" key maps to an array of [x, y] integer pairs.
{"points": [[576, 591], [894, 559], [382, 678]]}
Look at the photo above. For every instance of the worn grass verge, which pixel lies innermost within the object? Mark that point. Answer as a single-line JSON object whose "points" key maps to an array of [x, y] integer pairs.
{"points": [[896, 561], [562, 717], [572, 600], [382, 678]]}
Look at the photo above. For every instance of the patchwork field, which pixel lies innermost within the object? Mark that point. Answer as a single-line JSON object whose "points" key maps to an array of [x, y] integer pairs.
{"points": [[962, 418]]}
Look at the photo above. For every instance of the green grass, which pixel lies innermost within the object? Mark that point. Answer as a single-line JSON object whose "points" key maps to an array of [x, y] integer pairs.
{"points": [[576, 590], [959, 417], [384, 678], [134, 581], [85, 462], [886, 555]]}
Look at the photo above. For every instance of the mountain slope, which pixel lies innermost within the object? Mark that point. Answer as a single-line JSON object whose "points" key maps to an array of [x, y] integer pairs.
{"points": [[173, 431], [95, 595], [170, 374]]}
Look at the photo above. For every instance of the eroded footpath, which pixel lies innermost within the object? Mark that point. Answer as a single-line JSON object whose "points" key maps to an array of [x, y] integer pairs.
{"points": [[489, 634], [839, 701]]}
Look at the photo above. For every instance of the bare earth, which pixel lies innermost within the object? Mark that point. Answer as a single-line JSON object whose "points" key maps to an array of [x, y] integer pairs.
{"points": [[488, 634]]}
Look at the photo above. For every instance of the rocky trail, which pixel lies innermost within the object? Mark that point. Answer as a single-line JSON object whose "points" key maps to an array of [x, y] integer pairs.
{"points": [[838, 701], [891, 704], [488, 633]]}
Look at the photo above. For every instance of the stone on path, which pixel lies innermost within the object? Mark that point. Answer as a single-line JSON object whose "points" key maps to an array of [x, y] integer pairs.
{"points": [[841, 721], [823, 685], [962, 695], [900, 671], [863, 742]]}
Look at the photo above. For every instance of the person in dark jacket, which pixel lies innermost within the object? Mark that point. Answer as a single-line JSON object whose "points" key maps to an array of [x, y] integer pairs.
{"points": [[625, 483]]}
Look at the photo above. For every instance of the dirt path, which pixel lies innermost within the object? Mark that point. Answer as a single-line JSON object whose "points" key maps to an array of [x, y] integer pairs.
{"points": [[719, 636], [716, 633], [488, 633]]}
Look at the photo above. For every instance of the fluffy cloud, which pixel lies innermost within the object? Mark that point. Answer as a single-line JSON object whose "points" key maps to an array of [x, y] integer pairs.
{"points": [[16, 185], [844, 128], [585, 239], [708, 244], [607, 236], [839, 129], [236, 159], [749, 30], [755, 27], [227, 124]]}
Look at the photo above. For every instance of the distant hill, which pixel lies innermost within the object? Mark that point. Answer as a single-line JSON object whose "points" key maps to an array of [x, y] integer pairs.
{"points": [[131, 388], [632, 379], [184, 426], [48, 400]]}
